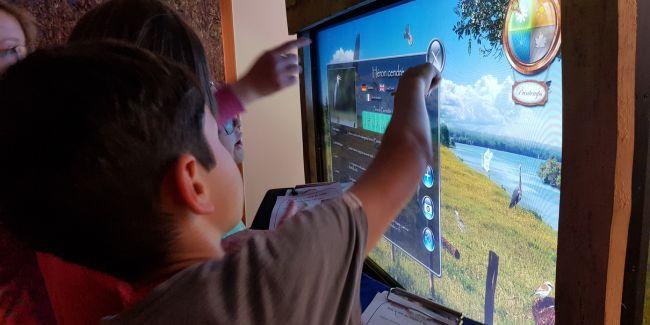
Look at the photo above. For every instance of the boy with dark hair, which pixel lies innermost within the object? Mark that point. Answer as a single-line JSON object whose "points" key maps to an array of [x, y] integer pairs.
{"points": [[112, 160], [154, 26]]}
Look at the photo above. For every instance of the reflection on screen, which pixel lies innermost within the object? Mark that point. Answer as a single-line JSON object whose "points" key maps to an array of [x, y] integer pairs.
{"points": [[361, 97], [480, 235]]}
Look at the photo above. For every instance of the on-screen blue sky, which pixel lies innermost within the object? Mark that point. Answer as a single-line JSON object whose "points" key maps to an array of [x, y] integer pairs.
{"points": [[476, 92]]}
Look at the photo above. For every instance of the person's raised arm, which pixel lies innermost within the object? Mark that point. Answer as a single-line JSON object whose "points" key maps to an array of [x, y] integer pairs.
{"points": [[392, 178], [273, 71]]}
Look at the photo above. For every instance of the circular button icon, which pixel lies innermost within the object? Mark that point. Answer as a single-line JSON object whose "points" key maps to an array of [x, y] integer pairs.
{"points": [[427, 179], [428, 240], [427, 207], [436, 54]]}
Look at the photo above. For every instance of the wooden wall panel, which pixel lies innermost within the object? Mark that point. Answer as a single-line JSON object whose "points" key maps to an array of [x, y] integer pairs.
{"points": [[57, 17], [228, 34], [598, 50], [636, 269]]}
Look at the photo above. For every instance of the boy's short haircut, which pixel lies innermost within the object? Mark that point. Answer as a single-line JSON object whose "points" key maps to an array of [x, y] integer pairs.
{"points": [[87, 133]]}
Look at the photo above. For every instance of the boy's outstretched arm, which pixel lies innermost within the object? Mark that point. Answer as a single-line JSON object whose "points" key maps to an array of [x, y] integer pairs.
{"points": [[392, 178]]}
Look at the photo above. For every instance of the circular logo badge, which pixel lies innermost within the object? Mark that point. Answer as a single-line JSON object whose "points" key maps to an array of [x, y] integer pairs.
{"points": [[427, 208], [531, 34], [428, 240], [427, 178]]}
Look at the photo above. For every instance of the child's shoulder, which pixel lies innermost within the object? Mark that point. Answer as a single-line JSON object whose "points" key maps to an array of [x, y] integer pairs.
{"points": [[276, 271]]}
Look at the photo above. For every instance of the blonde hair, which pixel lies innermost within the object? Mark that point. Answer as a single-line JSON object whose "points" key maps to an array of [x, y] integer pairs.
{"points": [[26, 21]]}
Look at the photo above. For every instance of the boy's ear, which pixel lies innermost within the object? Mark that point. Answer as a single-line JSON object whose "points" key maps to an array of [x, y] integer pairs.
{"points": [[190, 180]]}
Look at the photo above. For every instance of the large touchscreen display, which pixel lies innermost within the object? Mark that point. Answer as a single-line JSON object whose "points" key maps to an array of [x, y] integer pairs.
{"points": [[480, 234]]}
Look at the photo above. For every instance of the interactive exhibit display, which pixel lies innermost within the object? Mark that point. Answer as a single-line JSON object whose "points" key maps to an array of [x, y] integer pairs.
{"points": [[480, 235]]}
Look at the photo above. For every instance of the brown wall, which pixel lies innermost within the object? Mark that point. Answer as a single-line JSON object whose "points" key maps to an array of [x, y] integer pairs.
{"points": [[57, 17]]}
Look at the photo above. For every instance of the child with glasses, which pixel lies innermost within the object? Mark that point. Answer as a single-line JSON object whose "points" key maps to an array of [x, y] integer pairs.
{"points": [[230, 136], [17, 34], [23, 297]]}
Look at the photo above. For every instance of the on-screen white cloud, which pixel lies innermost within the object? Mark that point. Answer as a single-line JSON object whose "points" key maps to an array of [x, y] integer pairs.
{"points": [[342, 56], [486, 106], [486, 102]]}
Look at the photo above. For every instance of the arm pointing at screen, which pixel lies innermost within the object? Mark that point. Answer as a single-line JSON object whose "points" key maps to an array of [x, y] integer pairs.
{"points": [[274, 70], [392, 178]]}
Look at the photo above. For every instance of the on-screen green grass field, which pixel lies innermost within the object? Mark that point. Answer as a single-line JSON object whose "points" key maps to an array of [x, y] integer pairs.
{"points": [[526, 247]]}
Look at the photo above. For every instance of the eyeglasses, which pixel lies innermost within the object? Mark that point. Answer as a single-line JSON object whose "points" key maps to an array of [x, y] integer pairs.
{"points": [[229, 127], [18, 52]]}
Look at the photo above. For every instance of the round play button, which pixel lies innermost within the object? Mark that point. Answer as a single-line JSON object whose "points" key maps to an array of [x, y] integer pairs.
{"points": [[427, 207], [428, 240], [427, 178]]}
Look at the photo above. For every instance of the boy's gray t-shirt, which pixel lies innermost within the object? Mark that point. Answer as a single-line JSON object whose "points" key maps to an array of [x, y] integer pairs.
{"points": [[306, 272]]}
